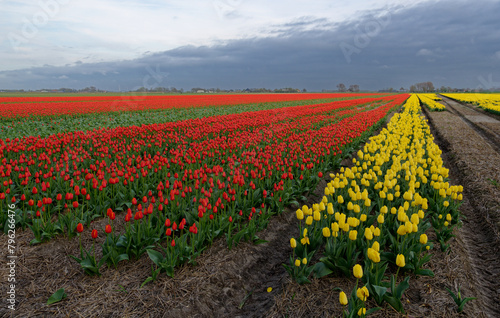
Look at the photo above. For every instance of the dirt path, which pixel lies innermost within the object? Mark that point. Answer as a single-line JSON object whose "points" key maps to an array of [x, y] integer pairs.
{"points": [[469, 148]]}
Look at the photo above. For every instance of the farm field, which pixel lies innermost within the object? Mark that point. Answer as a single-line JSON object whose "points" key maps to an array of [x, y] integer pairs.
{"points": [[191, 205]]}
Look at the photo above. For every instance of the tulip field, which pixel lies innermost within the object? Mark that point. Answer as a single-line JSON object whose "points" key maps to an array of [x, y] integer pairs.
{"points": [[185, 182], [166, 180]]}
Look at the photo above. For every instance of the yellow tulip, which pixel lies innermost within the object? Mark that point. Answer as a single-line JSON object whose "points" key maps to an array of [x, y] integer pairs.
{"points": [[297, 262], [423, 239], [340, 199], [353, 234], [356, 208], [317, 216], [343, 298], [373, 255], [363, 293], [421, 214], [326, 232], [401, 230], [304, 261], [362, 311], [309, 220], [400, 260], [357, 270], [376, 246], [368, 234], [330, 208], [368, 202], [414, 218], [293, 243], [362, 217], [408, 227], [335, 227], [300, 214], [380, 219]]}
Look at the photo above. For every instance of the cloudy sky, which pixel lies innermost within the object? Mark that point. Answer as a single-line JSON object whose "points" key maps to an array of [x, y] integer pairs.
{"points": [[123, 45]]}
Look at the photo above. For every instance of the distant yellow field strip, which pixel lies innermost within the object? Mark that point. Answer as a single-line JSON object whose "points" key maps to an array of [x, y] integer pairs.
{"points": [[490, 102]]}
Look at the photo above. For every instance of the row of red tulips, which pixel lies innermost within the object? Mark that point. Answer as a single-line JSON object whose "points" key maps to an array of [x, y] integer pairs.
{"points": [[36, 106]]}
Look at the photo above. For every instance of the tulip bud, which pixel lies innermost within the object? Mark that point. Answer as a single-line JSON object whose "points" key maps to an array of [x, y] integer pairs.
{"points": [[400, 260], [357, 271], [343, 298]]}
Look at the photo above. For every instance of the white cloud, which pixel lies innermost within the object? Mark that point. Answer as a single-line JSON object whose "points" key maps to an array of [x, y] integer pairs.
{"points": [[425, 52]]}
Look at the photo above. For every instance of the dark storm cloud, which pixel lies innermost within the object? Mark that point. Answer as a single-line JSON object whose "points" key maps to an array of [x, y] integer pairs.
{"points": [[449, 43]]}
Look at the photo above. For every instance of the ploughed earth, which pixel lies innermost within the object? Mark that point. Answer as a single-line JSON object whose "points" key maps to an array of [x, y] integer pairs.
{"points": [[234, 283]]}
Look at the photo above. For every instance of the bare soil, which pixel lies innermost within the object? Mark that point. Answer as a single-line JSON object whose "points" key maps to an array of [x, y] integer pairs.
{"points": [[233, 283]]}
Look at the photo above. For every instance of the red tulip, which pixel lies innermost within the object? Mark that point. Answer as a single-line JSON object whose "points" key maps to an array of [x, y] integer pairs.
{"points": [[79, 228], [108, 229], [94, 234], [75, 204], [138, 215]]}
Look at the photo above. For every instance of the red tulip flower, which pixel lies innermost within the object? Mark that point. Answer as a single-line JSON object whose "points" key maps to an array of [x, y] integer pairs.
{"points": [[94, 234], [79, 228], [108, 229]]}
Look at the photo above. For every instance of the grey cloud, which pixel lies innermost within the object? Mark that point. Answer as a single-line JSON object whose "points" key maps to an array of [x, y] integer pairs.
{"points": [[450, 43]]}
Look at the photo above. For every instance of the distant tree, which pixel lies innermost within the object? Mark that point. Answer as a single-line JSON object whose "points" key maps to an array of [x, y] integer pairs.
{"points": [[402, 89], [341, 87], [413, 88], [304, 90]]}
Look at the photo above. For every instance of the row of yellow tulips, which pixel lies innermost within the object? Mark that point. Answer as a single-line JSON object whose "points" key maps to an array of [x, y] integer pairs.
{"points": [[378, 214]]}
